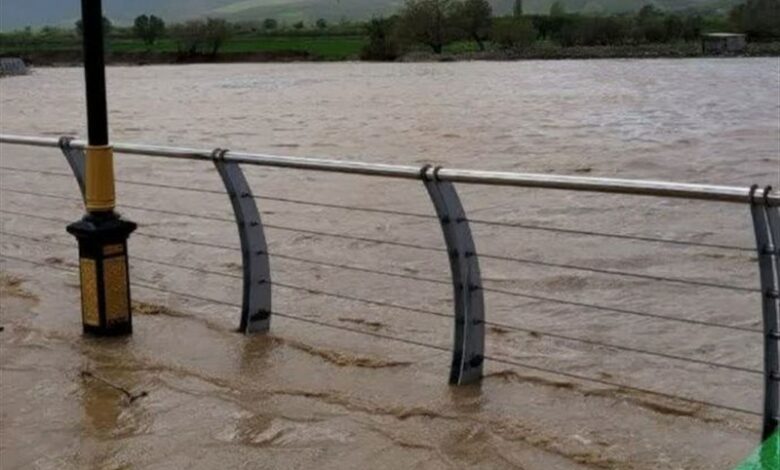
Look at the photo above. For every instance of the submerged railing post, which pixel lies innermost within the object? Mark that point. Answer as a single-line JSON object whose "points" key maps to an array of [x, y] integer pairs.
{"points": [[256, 304], [766, 222], [468, 352]]}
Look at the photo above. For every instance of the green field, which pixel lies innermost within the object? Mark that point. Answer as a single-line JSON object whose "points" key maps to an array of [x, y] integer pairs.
{"points": [[325, 47]]}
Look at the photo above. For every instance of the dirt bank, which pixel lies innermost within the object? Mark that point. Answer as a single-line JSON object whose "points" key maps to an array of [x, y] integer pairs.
{"points": [[536, 52]]}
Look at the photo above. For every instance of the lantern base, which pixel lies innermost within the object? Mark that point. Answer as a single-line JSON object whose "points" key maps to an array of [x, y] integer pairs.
{"points": [[105, 282]]}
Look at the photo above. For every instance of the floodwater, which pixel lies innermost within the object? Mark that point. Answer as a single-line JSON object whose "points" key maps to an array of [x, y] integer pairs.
{"points": [[187, 391]]}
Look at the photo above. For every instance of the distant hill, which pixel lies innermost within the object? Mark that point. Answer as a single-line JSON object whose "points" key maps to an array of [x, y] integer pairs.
{"points": [[20, 13], [15, 14]]}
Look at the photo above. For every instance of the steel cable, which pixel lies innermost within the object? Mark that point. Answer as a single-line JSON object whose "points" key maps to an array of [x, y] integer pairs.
{"points": [[420, 311], [547, 264], [422, 279], [500, 360]]}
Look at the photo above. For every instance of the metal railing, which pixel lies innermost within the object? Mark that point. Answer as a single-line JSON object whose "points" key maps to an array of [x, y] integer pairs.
{"points": [[525, 180], [468, 352]]}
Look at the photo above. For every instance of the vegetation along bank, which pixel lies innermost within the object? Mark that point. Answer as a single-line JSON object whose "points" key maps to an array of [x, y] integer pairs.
{"points": [[421, 30]]}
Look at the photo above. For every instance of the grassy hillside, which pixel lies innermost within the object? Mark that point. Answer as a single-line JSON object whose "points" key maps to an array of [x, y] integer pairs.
{"points": [[334, 10], [309, 10], [69, 47], [16, 14]]}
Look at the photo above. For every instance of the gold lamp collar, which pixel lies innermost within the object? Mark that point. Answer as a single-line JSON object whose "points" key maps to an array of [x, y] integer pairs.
{"points": [[100, 192]]}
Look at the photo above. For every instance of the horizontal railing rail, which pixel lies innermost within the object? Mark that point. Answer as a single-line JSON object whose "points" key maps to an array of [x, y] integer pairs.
{"points": [[735, 194], [468, 352]]}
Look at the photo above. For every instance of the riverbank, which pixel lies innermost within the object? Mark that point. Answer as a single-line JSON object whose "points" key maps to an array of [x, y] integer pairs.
{"points": [[67, 51], [547, 51], [348, 49], [73, 58]]}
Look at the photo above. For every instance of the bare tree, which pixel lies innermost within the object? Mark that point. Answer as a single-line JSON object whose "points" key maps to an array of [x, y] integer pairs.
{"points": [[517, 10], [474, 18], [215, 33], [761, 19], [557, 9], [189, 37], [382, 44], [148, 28], [428, 22]]}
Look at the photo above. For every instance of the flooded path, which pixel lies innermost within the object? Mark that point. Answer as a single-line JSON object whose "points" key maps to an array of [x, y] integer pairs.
{"points": [[188, 391]]}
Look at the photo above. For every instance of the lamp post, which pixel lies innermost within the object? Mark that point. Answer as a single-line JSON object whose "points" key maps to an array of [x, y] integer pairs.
{"points": [[102, 235]]}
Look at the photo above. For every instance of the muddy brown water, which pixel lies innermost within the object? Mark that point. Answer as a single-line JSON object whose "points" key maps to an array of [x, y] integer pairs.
{"points": [[187, 391]]}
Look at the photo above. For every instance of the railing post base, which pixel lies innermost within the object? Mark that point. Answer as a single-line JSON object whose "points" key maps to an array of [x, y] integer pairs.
{"points": [[256, 304], [766, 222], [468, 351]]}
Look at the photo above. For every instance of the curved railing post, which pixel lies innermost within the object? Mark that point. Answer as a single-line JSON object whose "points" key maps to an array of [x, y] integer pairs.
{"points": [[468, 352], [766, 222], [76, 160], [256, 304]]}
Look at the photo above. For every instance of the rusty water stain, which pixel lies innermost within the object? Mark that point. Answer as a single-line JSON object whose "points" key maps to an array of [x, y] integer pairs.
{"points": [[145, 308], [13, 286], [513, 376], [657, 404], [498, 330], [373, 325], [343, 359], [130, 396]]}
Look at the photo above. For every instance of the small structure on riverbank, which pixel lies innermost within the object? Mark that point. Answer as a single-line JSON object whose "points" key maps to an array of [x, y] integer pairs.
{"points": [[12, 66], [723, 43]]}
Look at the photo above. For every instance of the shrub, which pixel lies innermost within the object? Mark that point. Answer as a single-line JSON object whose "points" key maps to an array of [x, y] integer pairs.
{"points": [[513, 32], [381, 43]]}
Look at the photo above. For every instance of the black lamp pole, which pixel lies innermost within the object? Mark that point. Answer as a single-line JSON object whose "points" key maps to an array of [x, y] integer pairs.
{"points": [[106, 309], [94, 71]]}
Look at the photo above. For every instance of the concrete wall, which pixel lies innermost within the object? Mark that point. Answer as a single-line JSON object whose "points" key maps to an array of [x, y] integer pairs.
{"points": [[723, 44], [12, 66]]}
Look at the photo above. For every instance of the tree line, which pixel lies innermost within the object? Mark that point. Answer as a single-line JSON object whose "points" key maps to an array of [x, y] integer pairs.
{"points": [[197, 37], [437, 23], [194, 37]]}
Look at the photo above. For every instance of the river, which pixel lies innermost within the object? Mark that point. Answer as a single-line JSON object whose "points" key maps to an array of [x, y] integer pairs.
{"points": [[319, 397]]}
